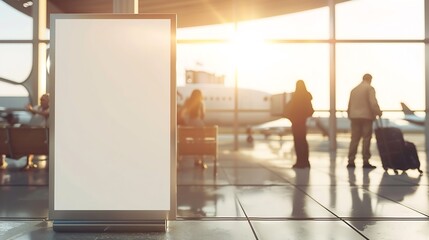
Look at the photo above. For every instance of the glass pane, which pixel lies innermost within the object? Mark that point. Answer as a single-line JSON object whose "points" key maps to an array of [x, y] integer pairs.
{"points": [[213, 58], [312, 24], [11, 90], [397, 70], [15, 61], [273, 68], [380, 19], [14, 24], [221, 31]]}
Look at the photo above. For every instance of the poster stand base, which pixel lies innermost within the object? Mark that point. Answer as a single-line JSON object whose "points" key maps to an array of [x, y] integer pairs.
{"points": [[110, 226]]}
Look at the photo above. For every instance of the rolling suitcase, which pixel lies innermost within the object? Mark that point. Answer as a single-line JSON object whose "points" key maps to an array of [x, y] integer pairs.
{"points": [[413, 157], [395, 152]]}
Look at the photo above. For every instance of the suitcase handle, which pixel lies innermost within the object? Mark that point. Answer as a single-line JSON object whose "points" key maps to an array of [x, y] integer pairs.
{"points": [[378, 122]]}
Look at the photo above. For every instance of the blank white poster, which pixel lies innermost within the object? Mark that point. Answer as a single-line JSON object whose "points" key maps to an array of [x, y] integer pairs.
{"points": [[112, 114]]}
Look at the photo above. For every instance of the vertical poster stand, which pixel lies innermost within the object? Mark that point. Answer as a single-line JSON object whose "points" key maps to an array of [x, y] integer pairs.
{"points": [[113, 122]]}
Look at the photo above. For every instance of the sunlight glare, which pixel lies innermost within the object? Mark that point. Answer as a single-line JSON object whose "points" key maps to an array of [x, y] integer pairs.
{"points": [[244, 47]]}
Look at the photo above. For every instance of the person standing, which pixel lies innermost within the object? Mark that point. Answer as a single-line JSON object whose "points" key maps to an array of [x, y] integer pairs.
{"points": [[362, 111], [299, 108]]}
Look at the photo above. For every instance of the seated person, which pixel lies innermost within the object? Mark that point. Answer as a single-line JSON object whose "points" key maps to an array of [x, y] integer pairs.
{"points": [[40, 113]]}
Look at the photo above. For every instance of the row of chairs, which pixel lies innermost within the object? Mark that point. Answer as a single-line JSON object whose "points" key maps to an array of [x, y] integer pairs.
{"points": [[16, 142]]}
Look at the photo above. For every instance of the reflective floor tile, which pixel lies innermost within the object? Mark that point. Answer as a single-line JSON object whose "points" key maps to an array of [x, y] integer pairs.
{"points": [[365, 177], [195, 175], [414, 197], [23, 202], [279, 202], [210, 230], [253, 176], [196, 202], [15, 229], [358, 203], [232, 159], [20, 177], [302, 177], [177, 230], [393, 230], [304, 230]]}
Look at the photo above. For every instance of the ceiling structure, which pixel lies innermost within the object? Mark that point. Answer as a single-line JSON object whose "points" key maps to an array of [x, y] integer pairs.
{"points": [[190, 13]]}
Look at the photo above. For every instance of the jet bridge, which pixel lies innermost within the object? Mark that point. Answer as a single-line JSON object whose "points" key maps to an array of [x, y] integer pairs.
{"points": [[278, 102]]}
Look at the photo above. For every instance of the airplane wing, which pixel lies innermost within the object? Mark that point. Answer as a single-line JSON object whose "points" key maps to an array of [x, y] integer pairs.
{"points": [[411, 117], [282, 127], [279, 127]]}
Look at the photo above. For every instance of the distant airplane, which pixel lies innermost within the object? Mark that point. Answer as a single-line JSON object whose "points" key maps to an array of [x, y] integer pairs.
{"points": [[253, 105], [411, 117]]}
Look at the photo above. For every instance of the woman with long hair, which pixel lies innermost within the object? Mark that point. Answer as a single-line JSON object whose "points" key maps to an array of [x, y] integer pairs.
{"points": [[300, 109], [193, 115], [194, 110]]}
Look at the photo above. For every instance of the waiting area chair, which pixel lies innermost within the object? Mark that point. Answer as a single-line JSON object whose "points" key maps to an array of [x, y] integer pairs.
{"points": [[17, 142], [198, 141]]}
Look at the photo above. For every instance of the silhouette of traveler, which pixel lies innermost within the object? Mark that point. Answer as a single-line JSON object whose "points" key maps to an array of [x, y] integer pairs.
{"points": [[39, 118], [362, 111], [193, 112], [298, 109], [40, 113]]}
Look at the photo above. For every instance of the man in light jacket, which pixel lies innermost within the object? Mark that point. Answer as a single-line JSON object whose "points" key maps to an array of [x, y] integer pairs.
{"points": [[362, 110]]}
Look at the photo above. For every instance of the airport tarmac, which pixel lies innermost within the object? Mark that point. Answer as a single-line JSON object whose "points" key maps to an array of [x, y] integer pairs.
{"points": [[256, 195]]}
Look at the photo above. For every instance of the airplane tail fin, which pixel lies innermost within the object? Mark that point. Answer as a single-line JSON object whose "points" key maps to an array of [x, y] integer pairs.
{"points": [[406, 109]]}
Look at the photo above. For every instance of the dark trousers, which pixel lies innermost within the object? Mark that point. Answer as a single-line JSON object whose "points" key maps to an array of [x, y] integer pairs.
{"points": [[299, 131], [361, 129]]}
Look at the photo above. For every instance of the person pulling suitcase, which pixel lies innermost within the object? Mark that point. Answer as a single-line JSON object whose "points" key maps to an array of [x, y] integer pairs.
{"points": [[362, 110]]}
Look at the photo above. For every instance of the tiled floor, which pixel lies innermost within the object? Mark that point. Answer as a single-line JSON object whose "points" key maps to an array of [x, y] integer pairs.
{"points": [[256, 195]]}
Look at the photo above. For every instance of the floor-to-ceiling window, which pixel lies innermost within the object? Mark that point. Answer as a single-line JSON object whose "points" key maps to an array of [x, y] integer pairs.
{"points": [[386, 39], [15, 50], [381, 37], [269, 54]]}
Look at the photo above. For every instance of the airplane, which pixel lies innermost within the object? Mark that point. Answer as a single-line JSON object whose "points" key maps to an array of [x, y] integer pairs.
{"points": [[411, 117], [254, 106]]}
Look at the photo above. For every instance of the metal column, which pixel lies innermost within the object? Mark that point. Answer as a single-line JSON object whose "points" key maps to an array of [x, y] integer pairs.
{"points": [[427, 75], [125, 6], [332, 83], [36, 83]]}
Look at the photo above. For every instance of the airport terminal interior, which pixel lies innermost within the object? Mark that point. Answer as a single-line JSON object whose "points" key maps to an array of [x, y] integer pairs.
{"points": [[238, 52], [255, 194]]}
